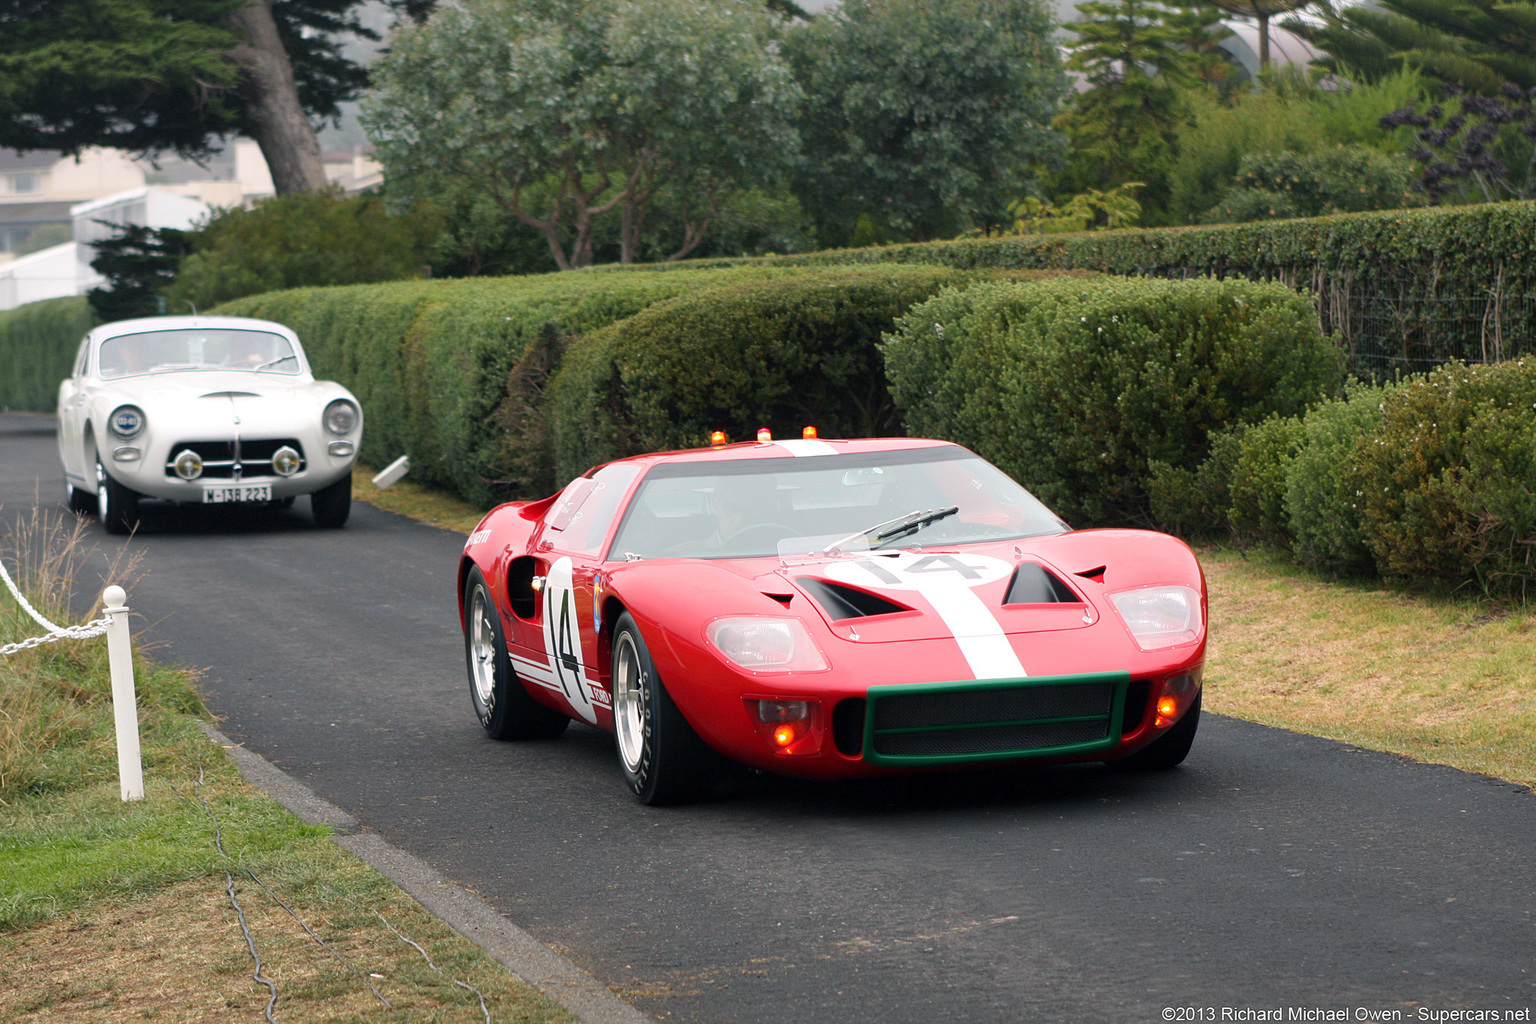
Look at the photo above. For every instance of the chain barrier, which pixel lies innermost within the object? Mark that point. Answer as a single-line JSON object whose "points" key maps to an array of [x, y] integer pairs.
{"points": [[85, 631]]}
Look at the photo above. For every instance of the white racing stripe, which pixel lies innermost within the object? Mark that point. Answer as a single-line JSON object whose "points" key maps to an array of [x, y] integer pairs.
{"points": [[806, 447], [543, 675], [980, 636], [948, 583]]}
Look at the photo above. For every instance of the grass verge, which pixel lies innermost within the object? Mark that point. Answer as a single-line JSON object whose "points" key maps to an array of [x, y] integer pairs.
{"points": [[1437, 679], [158, 909]]}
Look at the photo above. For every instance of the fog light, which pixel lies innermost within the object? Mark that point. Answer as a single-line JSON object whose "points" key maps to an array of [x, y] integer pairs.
{"points": [[189, 464], [286, 461]]}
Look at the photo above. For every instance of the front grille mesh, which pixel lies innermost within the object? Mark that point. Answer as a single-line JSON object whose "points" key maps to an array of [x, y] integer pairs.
{"points": [[989, 739], [219, 456], [967, 721]]}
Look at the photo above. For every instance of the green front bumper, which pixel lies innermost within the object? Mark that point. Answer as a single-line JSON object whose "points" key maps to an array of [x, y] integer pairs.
{"points": [[979, 720]]}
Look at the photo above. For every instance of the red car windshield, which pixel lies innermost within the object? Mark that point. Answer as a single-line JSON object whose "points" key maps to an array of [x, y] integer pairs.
{"points": [[756, 507]]}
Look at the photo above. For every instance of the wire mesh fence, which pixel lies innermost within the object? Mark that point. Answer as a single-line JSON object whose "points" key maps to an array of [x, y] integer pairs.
{"points": [[1391, 335]]}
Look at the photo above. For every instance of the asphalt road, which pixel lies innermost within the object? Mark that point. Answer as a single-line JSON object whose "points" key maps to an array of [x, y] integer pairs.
{"points": [[1272, 871]]}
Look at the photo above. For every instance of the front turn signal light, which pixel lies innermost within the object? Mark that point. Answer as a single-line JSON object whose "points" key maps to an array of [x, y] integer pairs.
{"points": [[791, 727], [1175, 697]]}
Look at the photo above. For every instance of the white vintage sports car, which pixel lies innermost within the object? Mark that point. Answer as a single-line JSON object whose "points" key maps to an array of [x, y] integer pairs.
{"points": [[206, 410]]}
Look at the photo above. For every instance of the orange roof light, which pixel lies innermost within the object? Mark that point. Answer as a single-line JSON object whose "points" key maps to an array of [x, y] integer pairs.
{"points": [[764, 434], [718, 439], [809, 433]]}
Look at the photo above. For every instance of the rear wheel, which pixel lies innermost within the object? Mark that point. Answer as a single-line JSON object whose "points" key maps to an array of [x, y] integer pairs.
{"points": [[332, 503], [116, 506], [504, 708], [662, 758], [1170, 749]]}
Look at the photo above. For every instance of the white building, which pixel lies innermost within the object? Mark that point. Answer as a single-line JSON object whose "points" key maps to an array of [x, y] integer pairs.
{"points": [[47, 197]]}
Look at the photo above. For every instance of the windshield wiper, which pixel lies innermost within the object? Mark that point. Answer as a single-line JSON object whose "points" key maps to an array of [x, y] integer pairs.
{"points": [[894, 529], [274, 362]]}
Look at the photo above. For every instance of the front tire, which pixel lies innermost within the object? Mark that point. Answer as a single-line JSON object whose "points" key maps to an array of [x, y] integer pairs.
{"points": [[1169, 750], [116, 506], [504, 708], [332, 503], [78, 501], [662, 758]]}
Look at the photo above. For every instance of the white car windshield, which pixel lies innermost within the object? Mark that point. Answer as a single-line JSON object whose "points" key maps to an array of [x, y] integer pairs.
{"points": [[196, 349], [826, 504]]}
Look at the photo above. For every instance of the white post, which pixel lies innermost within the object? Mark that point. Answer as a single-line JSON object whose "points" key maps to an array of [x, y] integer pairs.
{"points": [[125, 702]]}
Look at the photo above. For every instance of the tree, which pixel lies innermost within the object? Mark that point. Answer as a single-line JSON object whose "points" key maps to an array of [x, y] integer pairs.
{"points": [[138, 263], [157, 75], [562, 111], [1467, 146], [1479, 44], [923, 116], [1135, 57]]}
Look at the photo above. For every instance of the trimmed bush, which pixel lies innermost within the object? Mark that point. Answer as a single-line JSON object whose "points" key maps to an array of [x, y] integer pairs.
{"points": [[38, 342], [1323, 508], [442, 367], [1077, 387], [781, 352], [1197, 501], [1448, 484], [1265, 451]]}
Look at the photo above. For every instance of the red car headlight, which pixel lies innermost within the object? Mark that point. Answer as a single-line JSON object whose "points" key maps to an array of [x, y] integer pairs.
{"points": [[761, 643]]}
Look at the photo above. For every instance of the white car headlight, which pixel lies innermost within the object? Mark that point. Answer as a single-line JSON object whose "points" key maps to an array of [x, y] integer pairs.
{"points": [[340, 416], [763, 644], [1160, 617], [126, 422]]}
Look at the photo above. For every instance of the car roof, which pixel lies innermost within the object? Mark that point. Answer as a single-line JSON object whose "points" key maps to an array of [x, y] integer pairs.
{"points": [[788, 448], [181, 323]]}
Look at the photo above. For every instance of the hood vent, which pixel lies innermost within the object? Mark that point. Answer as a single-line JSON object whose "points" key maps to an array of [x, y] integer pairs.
{"points": [[1034, 584], [842, 602], [231, 394]]}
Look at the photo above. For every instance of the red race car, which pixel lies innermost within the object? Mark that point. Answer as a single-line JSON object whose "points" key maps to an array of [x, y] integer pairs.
{"points": [[828, 609]]}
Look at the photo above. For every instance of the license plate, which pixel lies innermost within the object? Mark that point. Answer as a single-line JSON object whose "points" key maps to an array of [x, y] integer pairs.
{"points": [[237, 492]]}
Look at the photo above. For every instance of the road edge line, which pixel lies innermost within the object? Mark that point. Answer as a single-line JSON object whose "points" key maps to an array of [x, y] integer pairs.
{"points": [[506, 943]]}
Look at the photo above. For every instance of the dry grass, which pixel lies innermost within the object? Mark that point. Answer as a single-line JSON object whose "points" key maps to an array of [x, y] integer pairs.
{"points": [[421, 503], [1445, 680], [179, 954], [114, 911]]}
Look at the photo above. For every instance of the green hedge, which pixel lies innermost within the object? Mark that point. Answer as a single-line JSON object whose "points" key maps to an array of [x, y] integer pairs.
{"points": [[443, 367], [782, 352], [38, 342], [1404, 289], [1078, 392]]}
